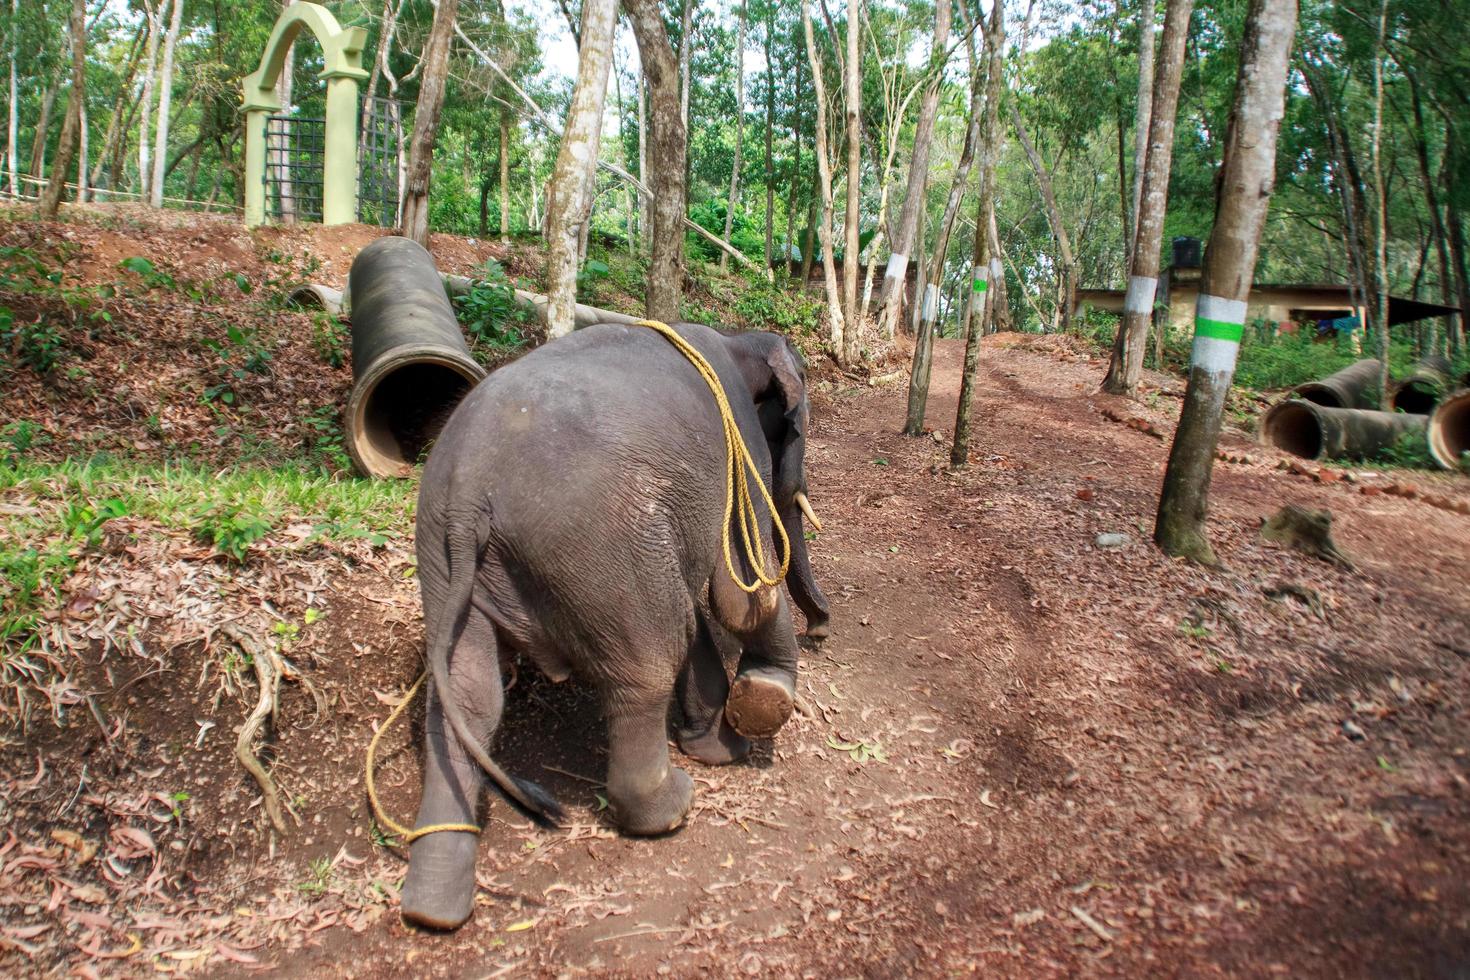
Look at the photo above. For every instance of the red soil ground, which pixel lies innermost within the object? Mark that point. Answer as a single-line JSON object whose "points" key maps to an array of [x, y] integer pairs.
{"points": [[1019, 752]]}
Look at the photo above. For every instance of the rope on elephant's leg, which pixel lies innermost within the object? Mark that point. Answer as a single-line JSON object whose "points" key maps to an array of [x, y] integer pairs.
{"points": [[737, 483], [408, 835]]}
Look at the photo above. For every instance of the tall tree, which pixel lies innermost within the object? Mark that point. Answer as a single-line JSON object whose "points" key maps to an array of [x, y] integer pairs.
{"points": [[770, 135], [433, 76], [165, 100], [668, 148], [12, 127], [1381, 201], [153, 18], [1067, 262], [853, 104], [919, 368], [1143, 271], [1143, 119], [734, 198], [981, 298], [1243, 194], [895, 277], [569, 196], [71, 127], [836, 325]]}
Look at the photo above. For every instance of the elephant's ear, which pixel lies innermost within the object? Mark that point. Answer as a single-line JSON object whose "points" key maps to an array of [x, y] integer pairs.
{"points": [[786, 374]]}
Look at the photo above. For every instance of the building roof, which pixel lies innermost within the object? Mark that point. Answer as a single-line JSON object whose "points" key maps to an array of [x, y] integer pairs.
{"points": [[1401, 309]]}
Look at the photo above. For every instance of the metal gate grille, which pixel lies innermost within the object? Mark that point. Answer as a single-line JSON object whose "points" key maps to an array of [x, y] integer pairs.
{"points": [[378, 162], [294, 148]]}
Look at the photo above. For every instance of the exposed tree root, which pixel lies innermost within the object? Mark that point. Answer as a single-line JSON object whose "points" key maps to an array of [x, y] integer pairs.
{"points": [[267, 673]]}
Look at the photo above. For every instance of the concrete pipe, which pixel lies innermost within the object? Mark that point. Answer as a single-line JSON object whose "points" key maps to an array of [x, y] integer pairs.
{"points": [[1449, 431], [1314, 431], [1355, 386], [1423, 388], [410, 363]]}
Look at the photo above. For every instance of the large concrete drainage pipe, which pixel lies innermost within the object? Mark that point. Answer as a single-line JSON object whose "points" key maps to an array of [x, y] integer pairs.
{"points": [[410, 363], [1449, 431], [1355, 386], [1425, 385], [1314, 431]]}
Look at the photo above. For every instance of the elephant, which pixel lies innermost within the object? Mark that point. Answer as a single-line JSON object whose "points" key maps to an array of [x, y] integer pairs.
{"points": [[572, 510]]}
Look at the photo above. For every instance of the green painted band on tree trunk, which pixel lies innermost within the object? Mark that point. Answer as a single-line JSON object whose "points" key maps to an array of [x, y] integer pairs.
{"points": [[1219, 330], [981, 285]]}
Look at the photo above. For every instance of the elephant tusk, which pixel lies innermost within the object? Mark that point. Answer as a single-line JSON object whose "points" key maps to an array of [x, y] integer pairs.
{"points": [[806, 508]]}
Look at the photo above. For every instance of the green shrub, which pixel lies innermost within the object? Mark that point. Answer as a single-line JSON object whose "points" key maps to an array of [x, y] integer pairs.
{"points": [[232, 529], [489, 311]]}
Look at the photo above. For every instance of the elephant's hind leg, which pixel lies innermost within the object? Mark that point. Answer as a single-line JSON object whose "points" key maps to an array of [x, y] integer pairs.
{"points": [[647, 795], [706, 734], [439, 891], [764, 692]]}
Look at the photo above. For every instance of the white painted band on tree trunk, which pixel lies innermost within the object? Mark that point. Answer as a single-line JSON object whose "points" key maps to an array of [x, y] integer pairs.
{"points": [[931, 295], [1140, 296], [1223, 310], [996, 269], [898, 264], [1214, 355]]}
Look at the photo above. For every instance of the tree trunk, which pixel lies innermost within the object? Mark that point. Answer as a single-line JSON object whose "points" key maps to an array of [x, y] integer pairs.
{"points": [[793, 184], [1436, 224], [118, 116], [43, 126], [504, 175], [739, 134], [1381, 201], [1143, 271], [165, 98], [1143, 121], [808, 251], [853, 328], [12, 128], [145, 117], [1068, 278], [643, 240], [668, 149], [1001, 319], [1247, 174], [974, 325], [435, 64], [824, 183], [928, 303], [896, 277], [71, 127], [569, 195], [820, 118]]}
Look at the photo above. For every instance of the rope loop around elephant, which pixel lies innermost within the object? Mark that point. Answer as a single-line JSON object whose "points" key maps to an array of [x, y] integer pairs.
{"points": [[738, 468], [408, 835]]}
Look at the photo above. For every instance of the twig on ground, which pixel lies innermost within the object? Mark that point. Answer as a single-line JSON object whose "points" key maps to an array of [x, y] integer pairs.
{"points": [[265, 674]]}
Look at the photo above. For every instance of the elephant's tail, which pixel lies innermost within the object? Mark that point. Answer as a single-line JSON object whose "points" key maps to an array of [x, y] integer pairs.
{"points": [[464, 549]]}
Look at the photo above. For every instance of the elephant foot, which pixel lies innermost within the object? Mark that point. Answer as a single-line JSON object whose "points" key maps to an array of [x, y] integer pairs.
{"points": [[817, 629], [760, 701], [439, 892], [659, 812], [720, 745]]}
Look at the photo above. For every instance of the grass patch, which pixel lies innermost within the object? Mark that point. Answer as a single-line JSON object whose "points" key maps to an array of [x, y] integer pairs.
{"points": [[52, 514]]}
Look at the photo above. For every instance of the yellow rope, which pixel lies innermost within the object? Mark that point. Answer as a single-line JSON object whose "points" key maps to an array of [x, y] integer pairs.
{"points": [[409, 836], [737, 484]]}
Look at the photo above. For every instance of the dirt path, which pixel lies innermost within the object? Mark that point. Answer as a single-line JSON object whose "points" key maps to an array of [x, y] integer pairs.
{"points": [[1020, 753], [1072, 758]]}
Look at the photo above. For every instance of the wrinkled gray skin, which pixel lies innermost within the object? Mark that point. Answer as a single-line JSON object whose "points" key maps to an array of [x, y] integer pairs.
{"points": [[571, 510]]}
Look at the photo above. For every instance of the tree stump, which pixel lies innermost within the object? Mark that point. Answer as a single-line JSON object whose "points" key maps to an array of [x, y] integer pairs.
{"points": [[1308, 531]]}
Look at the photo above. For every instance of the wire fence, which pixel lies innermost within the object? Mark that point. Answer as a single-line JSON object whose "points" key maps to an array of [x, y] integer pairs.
{"points": [[30, 188]]}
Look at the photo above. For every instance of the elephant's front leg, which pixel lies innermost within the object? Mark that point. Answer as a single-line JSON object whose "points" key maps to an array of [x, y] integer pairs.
{"points": [[764, 691], [439, 891], [706, 734], [645, 793]]}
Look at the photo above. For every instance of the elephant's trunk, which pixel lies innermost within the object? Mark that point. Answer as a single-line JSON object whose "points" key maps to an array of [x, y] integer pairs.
{"points": [[799, 577]]}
